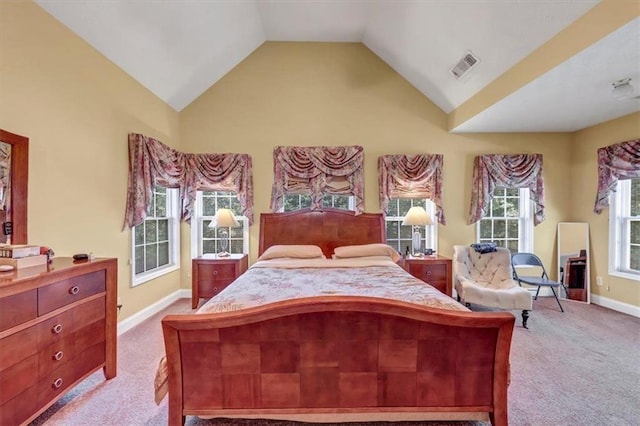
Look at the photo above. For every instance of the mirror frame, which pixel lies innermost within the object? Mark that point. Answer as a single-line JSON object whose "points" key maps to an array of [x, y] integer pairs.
{"points": [[19, 184]]}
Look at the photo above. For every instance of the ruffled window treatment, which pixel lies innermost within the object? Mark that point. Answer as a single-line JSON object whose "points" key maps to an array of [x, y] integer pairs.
{"points": [[152, 163], [616, 162], [411, 176], [510, 171], [316, 171]]}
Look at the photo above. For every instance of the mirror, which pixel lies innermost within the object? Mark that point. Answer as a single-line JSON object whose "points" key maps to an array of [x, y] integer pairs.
{"points": [[573, 260], [15, 173]]}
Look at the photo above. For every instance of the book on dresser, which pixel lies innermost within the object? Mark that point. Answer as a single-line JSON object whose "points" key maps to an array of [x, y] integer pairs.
{"points": [[24, 262], [15, 251]]}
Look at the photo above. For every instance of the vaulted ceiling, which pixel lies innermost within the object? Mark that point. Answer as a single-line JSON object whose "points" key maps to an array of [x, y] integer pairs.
{"points": [[543, 65]]}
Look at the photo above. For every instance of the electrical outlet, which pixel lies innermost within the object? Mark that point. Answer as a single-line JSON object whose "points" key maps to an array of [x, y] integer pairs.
{"points": [[599, 281], [608, 288]]}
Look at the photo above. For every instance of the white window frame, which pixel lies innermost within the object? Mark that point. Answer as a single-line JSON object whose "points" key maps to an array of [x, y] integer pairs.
{"points": [[198, 223], [351, 200], [173, 214], [525, 222], [431, 232], [619, 230]]}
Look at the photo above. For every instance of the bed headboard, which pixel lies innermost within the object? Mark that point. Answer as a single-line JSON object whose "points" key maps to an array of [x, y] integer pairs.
{"points": [[328, 228]]}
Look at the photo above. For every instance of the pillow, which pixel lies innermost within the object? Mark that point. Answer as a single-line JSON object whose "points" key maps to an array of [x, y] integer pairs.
{"points": [[292, 251], [375, 249]]}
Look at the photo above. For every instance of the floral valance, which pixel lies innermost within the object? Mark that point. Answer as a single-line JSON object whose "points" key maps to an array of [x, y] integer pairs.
{"points": [[316, 171], [152, 163], [411, 176], [616, 162], [509, 171]]}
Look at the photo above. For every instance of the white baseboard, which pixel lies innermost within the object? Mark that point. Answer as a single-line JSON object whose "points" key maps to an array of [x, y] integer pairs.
{"points": [[135, 319], [625, 308]]}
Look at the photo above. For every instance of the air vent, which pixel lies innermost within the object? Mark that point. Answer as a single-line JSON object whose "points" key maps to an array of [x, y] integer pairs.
{"points": [[464, 65]]}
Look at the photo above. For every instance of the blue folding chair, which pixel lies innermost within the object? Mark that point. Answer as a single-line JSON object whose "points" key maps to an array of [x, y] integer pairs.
{"points": [[530, 259]]}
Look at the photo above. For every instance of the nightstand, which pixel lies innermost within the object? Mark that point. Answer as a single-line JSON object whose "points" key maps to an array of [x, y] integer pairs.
{"points": [[212, 274], [434, 270]]}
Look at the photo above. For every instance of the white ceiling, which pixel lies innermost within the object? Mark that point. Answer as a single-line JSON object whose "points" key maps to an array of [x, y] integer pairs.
{"points": [[179, 48]]}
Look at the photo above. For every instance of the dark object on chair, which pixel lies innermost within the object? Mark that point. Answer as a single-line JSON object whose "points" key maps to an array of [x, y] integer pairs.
{"points": [[530, 259], [484, 247]]}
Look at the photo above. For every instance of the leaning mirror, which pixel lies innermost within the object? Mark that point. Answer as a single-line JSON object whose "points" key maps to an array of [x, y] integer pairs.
{"points": [[14, 175], [573, 260]]}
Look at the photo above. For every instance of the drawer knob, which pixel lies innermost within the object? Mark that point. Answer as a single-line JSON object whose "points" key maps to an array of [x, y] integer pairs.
{"points": [[215, 272], [74, 290], [56, 329], [58, 356], [428, 272], [57, 383], [215, 289]]}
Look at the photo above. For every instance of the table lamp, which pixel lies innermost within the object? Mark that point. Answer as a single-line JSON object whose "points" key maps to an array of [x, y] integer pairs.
{"points": [[224, 218], [417, 216]]}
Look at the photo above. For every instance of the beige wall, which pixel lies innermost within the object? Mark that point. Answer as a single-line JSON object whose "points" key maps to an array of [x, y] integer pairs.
{"points": [[584, 178], [340, 94], [77, 108]]}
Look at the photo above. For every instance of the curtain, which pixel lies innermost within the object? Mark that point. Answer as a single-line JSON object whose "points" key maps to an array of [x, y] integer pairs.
{"points": [[316, 171], [616, 162], [511, 171], [411, 176], [152, 163]]}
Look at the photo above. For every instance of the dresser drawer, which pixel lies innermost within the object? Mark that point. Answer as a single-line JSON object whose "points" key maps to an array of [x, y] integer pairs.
{"points": [[221, 272], [17, 309], [18, 346], [59, 380], [62, 293], [18, 377], [65, 350], [20, 408], [67, 323]]}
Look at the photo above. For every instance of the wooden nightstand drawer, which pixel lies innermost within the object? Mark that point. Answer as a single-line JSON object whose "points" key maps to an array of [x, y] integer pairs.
{"points": [[433, 270], [212, 274]]}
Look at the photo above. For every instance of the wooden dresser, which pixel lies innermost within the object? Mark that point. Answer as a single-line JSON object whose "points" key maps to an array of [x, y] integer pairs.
{"points": [[57, 326], [434, 270], [211, 274]]}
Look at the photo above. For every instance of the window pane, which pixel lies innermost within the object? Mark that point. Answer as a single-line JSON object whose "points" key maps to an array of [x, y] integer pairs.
{"points": [[392, 230], [163, 254], [485, 229], [512, 228], [512, 246], [224, 203], [393, 208], [498, 192], [235, 246], [139, 234], [403, 206], [236, 232], [151, 231], [497, 207], [209, 246], [139, 260], [206, 231], [635, 232], [305, 201], [513, 192], [635, 197], [513, 205], [235, 205], [151, 257], [635, 258], [499, 229], [163, 230], [161, 206], [405, 232], [208, 206]]}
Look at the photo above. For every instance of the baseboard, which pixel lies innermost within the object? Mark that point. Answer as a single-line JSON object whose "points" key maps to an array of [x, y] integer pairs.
{"points": [[135, 319], [615, 305]]}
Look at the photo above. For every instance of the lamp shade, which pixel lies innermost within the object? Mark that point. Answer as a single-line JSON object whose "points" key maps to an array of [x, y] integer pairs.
{"points": [[417, 216], [224, 218]]}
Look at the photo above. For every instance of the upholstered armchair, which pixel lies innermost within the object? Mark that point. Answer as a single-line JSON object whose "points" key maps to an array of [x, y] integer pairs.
{"points": [[487, 280]]}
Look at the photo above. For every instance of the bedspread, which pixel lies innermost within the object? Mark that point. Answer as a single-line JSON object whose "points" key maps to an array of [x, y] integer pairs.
{"points": [[283, 279]]}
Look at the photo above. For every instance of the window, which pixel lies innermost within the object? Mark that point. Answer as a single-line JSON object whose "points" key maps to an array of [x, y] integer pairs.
{"points": [[156, 241], [509, 221], [624, 230], [399, 236], [205, 240], [299, 201]]}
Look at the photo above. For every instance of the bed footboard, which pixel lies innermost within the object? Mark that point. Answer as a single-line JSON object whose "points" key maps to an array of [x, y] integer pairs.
{"points": [[337, 354]]}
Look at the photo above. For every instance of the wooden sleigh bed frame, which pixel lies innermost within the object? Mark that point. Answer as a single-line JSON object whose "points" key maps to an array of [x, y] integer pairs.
{"points": [[337, 358]]}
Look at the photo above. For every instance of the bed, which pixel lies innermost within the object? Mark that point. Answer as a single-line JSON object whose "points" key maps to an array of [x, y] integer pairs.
{"points": [[339, 355]]}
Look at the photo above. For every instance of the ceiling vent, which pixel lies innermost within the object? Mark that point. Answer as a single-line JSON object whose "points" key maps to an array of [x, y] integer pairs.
{"points": [[464, 65]]}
